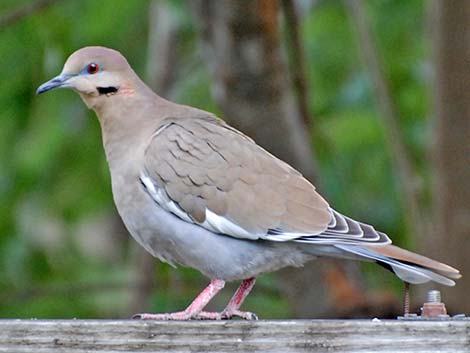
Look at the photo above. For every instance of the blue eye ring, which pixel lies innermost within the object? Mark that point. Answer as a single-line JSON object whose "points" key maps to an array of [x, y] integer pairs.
{"points": [[92, 68]]}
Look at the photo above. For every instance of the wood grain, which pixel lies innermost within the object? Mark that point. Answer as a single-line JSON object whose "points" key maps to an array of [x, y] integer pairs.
{"points": [[80, 336]]}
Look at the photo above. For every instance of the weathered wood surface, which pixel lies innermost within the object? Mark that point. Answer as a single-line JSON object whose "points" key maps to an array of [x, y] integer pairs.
{"points": [[80, 336]]}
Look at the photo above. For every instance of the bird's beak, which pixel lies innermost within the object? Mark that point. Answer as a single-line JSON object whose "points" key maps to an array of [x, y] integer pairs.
{"points": [[56, 82]]}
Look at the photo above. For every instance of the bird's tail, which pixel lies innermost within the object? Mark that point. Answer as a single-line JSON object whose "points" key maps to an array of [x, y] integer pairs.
{"points": [[408, 266]]}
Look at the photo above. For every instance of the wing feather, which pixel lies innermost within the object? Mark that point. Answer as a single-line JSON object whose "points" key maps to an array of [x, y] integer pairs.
{"points": [[203, 165], [208, 173]]}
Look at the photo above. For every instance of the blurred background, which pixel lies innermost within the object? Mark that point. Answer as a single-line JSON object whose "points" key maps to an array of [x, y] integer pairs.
{"points": [[369, 99]]}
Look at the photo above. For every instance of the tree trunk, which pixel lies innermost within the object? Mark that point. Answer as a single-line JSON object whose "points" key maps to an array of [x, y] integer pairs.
{"points": [[241, 45], [451, 241]]}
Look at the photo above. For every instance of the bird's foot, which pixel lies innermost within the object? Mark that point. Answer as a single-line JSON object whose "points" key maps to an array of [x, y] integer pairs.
{"points": [[203, 315], [176, 316], [226, 315]]}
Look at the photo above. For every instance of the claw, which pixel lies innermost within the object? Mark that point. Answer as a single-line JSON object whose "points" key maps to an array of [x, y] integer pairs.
{"points": [[247, 315]]}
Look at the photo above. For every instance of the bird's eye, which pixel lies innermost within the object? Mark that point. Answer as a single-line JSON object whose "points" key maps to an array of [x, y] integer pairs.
{"points": [[92, 68]]}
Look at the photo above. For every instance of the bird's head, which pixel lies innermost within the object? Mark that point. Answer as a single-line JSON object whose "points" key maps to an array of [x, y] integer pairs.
{"points": [[96, 73]]}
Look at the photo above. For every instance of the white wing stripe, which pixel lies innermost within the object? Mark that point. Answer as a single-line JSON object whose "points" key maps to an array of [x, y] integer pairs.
{"points": [[160, 197], [220, 224], [213, 222], [342, 229]]}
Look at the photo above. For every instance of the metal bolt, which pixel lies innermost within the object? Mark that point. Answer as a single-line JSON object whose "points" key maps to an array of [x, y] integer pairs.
{"points": [[434, 308], [434, 296]]}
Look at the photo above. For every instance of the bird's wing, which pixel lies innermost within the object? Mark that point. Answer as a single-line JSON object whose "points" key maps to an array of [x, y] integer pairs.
{"points": [[207, 173]]}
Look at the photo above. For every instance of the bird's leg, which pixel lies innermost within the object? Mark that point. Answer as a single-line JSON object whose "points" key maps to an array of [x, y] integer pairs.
{"points": [[233, 306], [193, 310]]}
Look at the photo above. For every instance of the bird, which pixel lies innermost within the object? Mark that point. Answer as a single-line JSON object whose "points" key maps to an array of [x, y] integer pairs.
{"points": [[196, 192]]}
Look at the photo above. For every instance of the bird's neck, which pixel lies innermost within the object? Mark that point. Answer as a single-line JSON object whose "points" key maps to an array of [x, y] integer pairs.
{"points": [[127, 122], [129, 118]]}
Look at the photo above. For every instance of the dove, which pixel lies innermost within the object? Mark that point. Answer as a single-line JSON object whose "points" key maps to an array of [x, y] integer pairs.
{"points": [[196, 192]]}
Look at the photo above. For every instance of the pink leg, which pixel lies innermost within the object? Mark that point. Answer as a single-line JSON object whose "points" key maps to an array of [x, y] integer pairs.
{"points": [[240, 295], [193, 310], [232, 308]]}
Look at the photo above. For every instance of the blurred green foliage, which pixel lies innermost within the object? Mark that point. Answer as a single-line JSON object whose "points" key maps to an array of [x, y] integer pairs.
{"points": [[54, 184]]}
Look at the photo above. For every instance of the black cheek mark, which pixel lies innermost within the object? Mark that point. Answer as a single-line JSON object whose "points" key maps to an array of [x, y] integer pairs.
{"points": [[107, 90]]}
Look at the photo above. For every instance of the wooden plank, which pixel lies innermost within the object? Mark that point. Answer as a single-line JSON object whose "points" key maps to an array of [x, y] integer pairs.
{"points": [[80, 336]]}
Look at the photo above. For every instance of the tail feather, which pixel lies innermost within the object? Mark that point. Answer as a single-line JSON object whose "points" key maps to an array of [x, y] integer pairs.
{"points": [[410, 257], [408, 266]]}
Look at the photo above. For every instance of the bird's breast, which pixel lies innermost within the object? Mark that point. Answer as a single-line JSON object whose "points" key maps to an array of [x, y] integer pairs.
{"points": [[138, 214]]}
